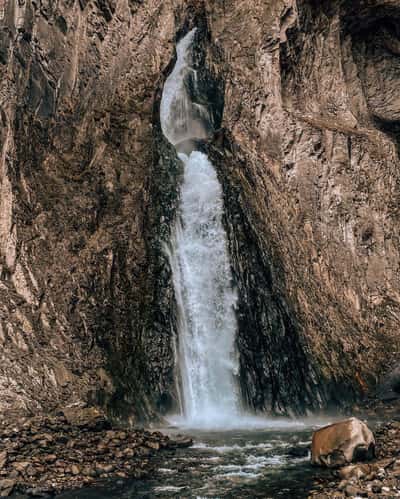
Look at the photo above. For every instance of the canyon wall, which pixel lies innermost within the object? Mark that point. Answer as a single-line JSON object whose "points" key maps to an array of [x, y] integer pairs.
{"points": [[306, 147]]}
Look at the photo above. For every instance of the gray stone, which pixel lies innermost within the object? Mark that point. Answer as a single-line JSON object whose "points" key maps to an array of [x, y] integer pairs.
{"points": [[6, 487]]}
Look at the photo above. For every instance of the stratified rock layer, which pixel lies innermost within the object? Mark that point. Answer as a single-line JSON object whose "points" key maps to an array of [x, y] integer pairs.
{"points": [[308, 155]]}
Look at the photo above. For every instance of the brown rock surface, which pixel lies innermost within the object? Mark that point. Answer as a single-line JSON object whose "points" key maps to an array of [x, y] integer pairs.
{"points": [[380, 478], [77, 89], [342, 443], [308, 154]]}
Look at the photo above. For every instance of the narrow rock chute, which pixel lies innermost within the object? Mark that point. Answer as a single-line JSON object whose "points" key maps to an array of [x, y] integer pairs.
{"points": [[199, 260]]}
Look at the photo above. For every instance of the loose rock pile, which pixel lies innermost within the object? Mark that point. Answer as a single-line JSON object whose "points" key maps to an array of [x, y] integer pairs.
{"points": [[44, 455], [380, 478]]}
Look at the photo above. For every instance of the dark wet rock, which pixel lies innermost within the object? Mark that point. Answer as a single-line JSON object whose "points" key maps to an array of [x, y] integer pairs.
{"points": [[299, 451], [389, 388], [181, 441], [40, 492]]}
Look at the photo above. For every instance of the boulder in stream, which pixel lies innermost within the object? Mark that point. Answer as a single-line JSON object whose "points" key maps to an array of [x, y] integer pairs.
{"points": [[342, 443]]}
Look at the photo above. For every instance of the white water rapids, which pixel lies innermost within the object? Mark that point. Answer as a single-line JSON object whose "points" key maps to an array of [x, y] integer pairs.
{"points": [[200, 264]]}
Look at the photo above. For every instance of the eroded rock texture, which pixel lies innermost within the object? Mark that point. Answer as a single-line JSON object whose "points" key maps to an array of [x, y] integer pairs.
{"points": [[308, 153], [311, 113], [78, 81]]}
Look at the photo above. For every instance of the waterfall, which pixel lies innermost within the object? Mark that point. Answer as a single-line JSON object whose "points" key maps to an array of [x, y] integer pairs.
{"points": [[199, 260], [182, 120]]}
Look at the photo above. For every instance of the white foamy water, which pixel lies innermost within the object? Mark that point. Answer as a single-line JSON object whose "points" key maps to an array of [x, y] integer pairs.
{"points": [[200, 265], [202, 280], [181, 119], [168, 488], [239, 421]]}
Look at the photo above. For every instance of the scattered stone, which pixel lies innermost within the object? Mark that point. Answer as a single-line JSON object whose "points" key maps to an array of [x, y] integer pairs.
{"points": [[153, 445], [352, 491], [128, 453], [50, 458], [45, 456], [354, 471], [376, 487], [3, 459], [105, 468], [75, 470], [343, 484]]}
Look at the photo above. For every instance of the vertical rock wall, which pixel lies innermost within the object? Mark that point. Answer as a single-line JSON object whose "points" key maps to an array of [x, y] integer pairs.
{"points": [[78, 81], [310, 160]]}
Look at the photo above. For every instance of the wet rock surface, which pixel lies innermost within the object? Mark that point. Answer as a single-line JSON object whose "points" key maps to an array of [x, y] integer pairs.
{"points": [[302, 160], [42, 456]]}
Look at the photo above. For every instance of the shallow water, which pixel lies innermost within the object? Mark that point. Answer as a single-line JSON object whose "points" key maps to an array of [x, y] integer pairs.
{"points": [[224, 464]]}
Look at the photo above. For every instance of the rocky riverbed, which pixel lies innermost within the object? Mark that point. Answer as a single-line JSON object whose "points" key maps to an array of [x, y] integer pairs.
{"points": [[42, 456], [378, 478]]}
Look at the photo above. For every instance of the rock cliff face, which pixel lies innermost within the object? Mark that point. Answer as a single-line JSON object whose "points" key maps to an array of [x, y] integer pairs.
{"points": [[308, 151]]}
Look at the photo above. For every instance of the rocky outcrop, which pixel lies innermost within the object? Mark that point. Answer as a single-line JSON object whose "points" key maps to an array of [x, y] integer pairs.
{"points": [[304, 96], [342, 443], [80, 216], [380, 478], [310, 176]]}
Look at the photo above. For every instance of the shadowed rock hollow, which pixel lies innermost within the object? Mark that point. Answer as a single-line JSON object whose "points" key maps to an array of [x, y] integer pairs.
{"points": [[305, 100]]}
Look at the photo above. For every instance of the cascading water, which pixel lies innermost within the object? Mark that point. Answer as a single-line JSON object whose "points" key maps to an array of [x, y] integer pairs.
{"points": [[181, 119], [200, 262], [234, 459]]}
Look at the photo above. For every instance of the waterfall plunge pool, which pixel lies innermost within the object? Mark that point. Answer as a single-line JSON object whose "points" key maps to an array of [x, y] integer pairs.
{"points": [[232, 463]]}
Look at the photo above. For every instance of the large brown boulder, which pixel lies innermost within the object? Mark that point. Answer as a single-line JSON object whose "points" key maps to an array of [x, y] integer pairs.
{"points": [[342, 443]]}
